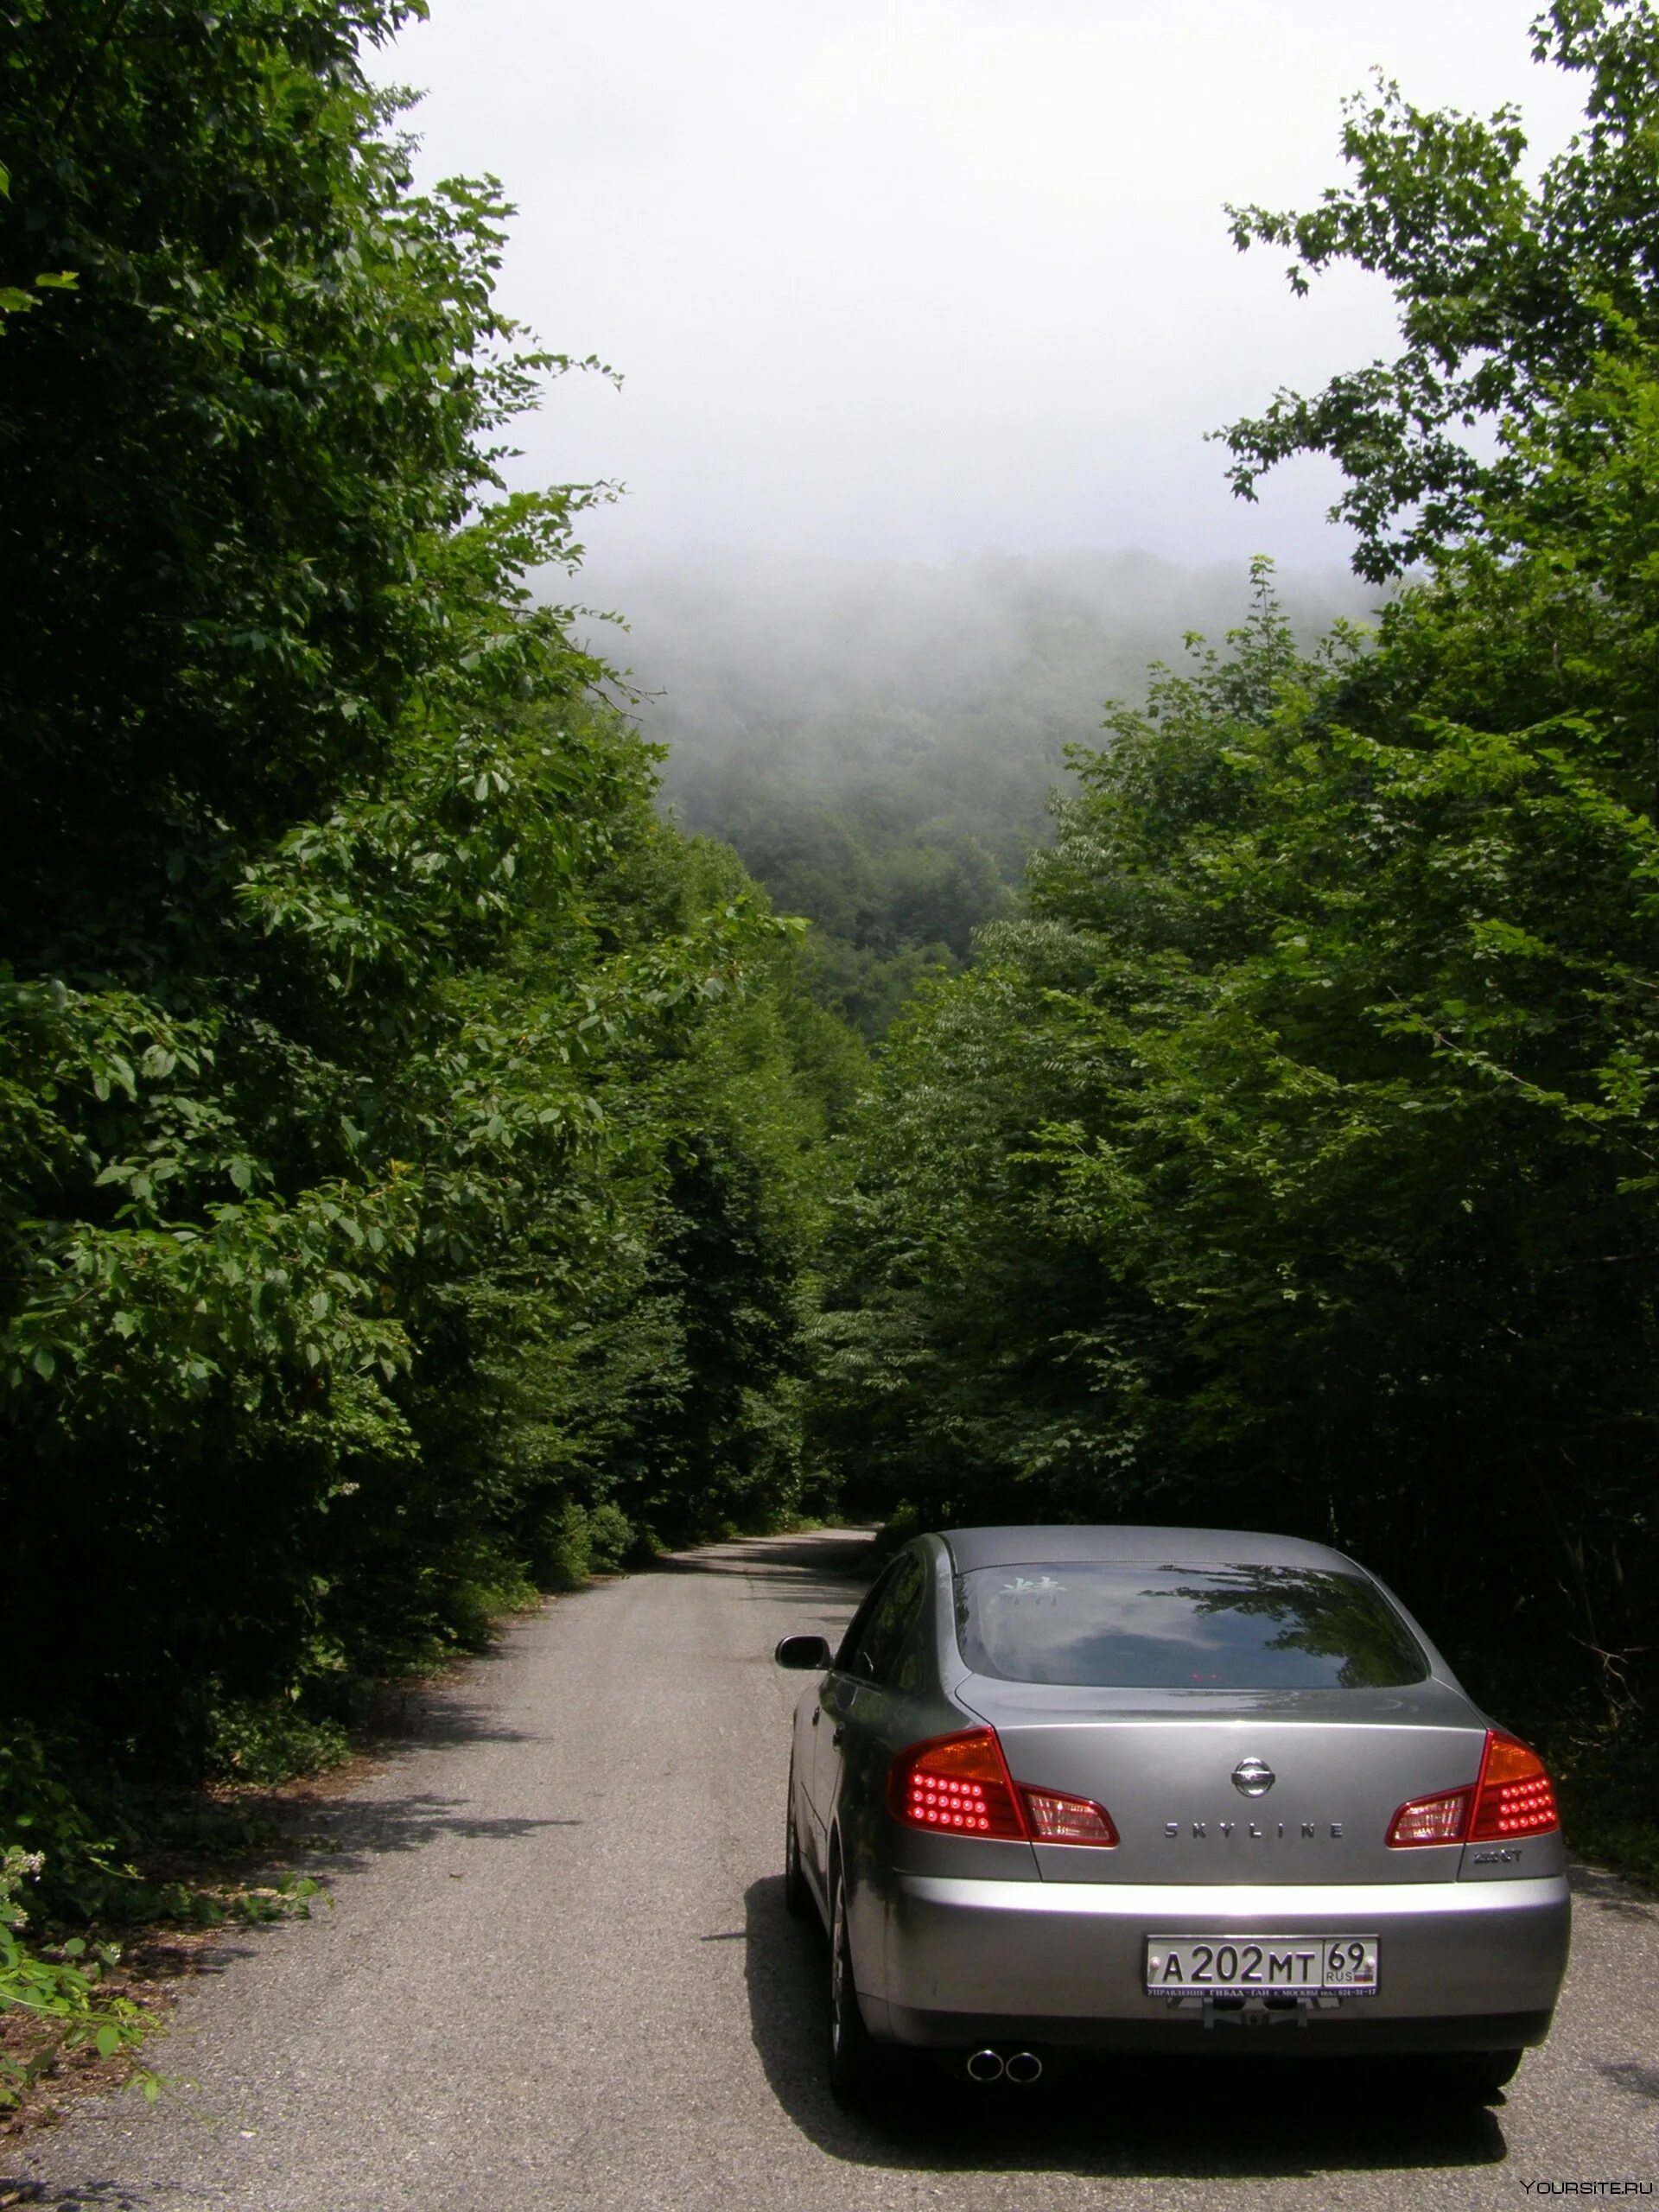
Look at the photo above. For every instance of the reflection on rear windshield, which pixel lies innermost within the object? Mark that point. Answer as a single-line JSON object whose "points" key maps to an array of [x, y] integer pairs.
{"points": [[1114, 1624]]}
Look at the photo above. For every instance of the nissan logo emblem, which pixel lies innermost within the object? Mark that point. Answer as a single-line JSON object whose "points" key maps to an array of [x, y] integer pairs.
{"points": [[1253, 1777]]}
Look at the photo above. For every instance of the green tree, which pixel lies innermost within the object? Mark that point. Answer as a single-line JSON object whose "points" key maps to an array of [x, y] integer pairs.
{"points": [[1509, 295], [1293, 1160], [400, 1127]]}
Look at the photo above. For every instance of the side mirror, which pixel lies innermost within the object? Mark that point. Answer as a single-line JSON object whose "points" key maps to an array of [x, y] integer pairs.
{"points": [[803, 1653]]}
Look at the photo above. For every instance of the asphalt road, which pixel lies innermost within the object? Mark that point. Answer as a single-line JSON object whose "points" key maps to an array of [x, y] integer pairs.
{"points": [[560, 1974]]}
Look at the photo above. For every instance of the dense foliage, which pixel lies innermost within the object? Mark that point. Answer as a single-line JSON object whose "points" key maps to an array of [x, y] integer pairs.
{"points": [[402, 1131], [1294, 1159]]}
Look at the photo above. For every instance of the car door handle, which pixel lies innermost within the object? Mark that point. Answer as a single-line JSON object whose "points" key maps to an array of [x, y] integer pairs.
{"points": [[817, 1717], [839, 1734]]}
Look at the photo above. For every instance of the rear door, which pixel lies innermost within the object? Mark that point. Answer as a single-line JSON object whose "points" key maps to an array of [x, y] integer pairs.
{"points": [[858, 1688]]}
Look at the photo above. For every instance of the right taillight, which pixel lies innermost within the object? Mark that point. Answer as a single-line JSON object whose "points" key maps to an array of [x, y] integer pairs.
{"points": [[1512, 1797], [1430, 1820], [960, 1785]]}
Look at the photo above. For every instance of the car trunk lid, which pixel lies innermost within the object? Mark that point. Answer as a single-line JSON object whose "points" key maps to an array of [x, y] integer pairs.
{"points": [[1260, 1787]]}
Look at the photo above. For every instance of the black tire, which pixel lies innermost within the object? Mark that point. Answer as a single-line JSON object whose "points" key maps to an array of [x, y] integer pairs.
{"points": [[798, 1892], [852, 2052], [1477, 2077]]}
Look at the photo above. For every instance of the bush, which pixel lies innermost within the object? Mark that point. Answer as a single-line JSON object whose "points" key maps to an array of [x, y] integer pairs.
{"points": [[270, 1741], [582, 1540], [62, 1994]]}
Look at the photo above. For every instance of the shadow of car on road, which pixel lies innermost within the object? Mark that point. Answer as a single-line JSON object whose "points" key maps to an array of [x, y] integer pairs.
{"points": [[1177, 2119]]}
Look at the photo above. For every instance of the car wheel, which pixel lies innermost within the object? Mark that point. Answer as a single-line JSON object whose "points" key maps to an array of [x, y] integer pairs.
{"points": [[798, 1895], [1477, 2075], [852, 2053]]}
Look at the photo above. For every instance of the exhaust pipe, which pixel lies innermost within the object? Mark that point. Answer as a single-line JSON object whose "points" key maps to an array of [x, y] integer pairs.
{"points": [[985, 2066], [1024, 2067]]}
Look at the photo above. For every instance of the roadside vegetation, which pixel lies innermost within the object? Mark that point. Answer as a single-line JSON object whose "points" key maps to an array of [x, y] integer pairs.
{"points": [[1293, 1158], [428, 1176], [404, 1134]]}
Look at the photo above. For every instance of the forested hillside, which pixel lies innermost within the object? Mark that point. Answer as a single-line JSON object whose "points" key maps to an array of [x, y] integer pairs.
{"points": [[407, 1137], [1292, 1160], [879, 739]]}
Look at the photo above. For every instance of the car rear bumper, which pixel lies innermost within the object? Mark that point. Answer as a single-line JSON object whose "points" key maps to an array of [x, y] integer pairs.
{"points": [[1462, 1965]]}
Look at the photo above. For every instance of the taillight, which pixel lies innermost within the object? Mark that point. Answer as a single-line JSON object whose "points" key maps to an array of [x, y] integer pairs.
{"points": [[960, 1785], [1431, 1820], [1057, 1819], [956, 1784], [1512, 1797]]}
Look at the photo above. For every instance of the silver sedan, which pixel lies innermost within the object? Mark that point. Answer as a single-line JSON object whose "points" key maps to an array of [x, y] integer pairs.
{"points": [[1163, 1790]]}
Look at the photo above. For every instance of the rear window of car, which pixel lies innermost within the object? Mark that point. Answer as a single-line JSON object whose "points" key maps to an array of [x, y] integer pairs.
{"points": [[1112, 1625]]}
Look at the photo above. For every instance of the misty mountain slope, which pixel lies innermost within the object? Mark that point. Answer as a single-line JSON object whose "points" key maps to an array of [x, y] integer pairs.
{"points": [[878, 739]]}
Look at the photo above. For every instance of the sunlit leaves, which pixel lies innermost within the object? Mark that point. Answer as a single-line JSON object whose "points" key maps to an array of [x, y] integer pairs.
{"points": [[60, 1993], [1508, 293]]}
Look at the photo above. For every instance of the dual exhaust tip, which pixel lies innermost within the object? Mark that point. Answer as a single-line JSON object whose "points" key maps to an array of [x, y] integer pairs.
{"points": [[1020, 2067]]}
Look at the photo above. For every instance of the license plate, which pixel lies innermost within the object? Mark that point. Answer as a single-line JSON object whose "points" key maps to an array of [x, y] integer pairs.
{"points": [[1260, 1965]]}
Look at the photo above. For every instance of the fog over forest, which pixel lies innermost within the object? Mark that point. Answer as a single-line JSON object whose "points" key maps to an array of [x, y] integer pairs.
{"points": [[878, 739]]}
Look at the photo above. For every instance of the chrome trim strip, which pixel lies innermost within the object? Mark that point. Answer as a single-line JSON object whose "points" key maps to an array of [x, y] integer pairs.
{"points": [[1280, 1902]]}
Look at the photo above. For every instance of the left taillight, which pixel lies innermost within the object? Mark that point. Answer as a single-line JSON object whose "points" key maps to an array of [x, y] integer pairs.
{"points": [[1057, 1819], [956, 1785], [960, 1785], [1512, 1797]]}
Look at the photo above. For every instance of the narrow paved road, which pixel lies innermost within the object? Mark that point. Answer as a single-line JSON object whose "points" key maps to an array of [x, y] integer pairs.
{"points": [[560, 1975]]}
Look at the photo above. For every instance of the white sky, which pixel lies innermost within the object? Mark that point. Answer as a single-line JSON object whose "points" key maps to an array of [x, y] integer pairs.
{"points": [[912, 277]]}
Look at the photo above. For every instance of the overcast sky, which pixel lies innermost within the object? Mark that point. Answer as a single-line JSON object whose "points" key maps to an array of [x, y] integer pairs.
{"points": [[912, 277]]}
